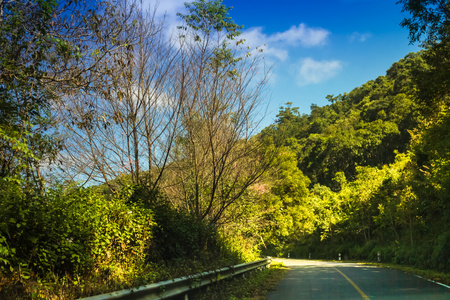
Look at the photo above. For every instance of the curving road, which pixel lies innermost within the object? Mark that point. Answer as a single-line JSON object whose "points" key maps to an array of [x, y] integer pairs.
{"points": [[308, 279]]}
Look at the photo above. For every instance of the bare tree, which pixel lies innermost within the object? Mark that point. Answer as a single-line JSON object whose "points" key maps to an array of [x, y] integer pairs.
{"points": [[128, 125], [217, 156], [180, 117]]}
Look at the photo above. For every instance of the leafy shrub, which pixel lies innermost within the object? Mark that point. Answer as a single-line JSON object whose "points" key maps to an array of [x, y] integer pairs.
{"points": [[180, 235], [70, 232], [441, 252]]}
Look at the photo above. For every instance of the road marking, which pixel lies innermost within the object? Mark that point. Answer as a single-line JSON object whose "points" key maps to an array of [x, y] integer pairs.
{"points": [[354, 285], [444, 285]]}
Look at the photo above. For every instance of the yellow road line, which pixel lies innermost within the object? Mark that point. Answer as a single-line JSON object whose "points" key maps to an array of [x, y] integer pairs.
{"points": [[354, 285]]}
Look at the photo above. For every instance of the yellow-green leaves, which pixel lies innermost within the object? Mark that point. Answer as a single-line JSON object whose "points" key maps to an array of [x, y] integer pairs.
{"points": [[209, 16]]}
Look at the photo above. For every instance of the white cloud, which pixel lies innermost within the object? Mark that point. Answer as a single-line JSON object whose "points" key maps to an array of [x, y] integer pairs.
{"points": [[165, 7], [254, 37], [359, 37], [275, 45], [310, 71], [167, 10], [301, 34], [306, 36]]}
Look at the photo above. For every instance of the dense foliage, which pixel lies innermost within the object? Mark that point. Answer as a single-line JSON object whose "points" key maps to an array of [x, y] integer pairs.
{"points": [[362, 128], [378, 169], [72, 233]]}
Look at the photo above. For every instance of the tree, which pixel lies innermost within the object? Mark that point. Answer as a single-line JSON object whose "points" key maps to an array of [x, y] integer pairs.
{"points": [[430, 23], [429, 18], [24, 99], [287, 211], [217, 156], [289, 124], [364, 127], [47, 49], [127, 125]]}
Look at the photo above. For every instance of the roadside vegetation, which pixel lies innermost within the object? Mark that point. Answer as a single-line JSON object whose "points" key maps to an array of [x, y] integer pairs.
{"points": [[255, 286], [129, 156]]}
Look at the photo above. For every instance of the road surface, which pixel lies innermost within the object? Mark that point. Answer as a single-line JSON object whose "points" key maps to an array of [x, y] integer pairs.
{"points": [[308, 279]]}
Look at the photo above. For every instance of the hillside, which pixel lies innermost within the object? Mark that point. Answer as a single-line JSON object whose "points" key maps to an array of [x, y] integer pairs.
{"points": [[376, 167]]}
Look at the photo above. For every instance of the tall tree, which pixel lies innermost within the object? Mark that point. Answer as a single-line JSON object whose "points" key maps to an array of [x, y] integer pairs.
{"points": [[127, 125], [217, 158], [430, 23], [47, 49], [24, 43], [429, 20]]}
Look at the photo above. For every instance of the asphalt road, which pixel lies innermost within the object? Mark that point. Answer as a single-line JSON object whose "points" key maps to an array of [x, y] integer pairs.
{"points": [[308, 279]]}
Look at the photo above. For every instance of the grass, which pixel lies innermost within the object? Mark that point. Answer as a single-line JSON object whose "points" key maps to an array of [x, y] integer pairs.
{"points": [[254, 287]]}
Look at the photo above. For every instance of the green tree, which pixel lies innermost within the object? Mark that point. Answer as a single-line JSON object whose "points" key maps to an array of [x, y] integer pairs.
{"points": [[430, 23], [25, 100], [361, 128], [289, 124], [281, 196], [47, 49], [429, 18]]}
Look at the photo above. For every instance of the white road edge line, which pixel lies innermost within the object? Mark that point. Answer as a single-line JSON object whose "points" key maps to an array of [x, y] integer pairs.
{"points": [[441, 284], [444, 285]]}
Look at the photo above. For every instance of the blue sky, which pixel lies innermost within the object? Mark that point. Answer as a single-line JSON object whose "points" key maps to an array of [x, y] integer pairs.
{"points": [[318, 47]]}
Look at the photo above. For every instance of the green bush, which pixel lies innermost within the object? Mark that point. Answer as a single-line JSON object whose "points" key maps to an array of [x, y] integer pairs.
{"points": [[72, 232], [441, 252], [180, 235]]}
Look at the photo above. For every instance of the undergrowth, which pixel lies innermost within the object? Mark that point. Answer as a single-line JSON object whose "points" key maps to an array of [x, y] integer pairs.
{"points": [[67, 244], [253, 287]]}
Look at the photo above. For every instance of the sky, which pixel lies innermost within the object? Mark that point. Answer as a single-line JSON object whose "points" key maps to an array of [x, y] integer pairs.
{"points": [[317, 47]]}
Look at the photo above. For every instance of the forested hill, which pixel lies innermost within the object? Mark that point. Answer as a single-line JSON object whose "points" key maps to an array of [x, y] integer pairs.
{"points": [[377, 165], [365, 127]]}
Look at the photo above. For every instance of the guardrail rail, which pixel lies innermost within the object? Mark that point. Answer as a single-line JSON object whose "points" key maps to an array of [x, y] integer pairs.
{"points": [[181, 286]]}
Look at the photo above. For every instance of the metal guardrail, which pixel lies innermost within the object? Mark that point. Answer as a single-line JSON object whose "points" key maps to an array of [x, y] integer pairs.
{"points": [[182, 285]]}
